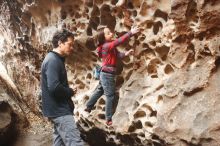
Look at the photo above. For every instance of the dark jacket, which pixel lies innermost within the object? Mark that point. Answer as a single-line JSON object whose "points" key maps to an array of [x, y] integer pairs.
{"points": [[56, 94]]}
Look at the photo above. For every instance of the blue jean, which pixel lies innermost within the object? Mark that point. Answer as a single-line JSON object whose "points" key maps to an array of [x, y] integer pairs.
{"points": [[107, 87], [66, 132]]}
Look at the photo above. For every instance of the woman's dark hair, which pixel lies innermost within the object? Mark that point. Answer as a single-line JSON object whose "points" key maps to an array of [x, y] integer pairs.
{"points": [[100, 37], [61, 36]]}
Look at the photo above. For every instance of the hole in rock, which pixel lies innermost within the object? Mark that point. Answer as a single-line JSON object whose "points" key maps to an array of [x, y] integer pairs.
{"points": [[142, 38], [206, 51], [157, 26], [107, 18], [77, 15], [135, 125], [101, 116], [63, 14], [139, 114], [95, 11], [152, 69], [145, 45], [86, 97], [134, 13], [136, 104], [91, 137], [171, 120], [153, 114], [98, 2], [94, 22], [159, 98], [89, 76], [113, 2], [126, 60], [86, 124], [90, 44], [168, 69], [154, 76], [130, 5], [101, 101], [89, 31], [161, 14], [103, 108], [162, 51], [148, 124], [191, 11], [144, 8], [217, 63], [119, 81], [89, 3]]}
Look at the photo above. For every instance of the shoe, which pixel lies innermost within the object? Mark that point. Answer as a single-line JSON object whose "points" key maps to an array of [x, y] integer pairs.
{"points": [[109, 122], [88, 110]]}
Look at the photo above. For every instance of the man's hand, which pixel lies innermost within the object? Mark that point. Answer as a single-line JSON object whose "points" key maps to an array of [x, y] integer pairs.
{"points": [[129, 52], [74, 89]]}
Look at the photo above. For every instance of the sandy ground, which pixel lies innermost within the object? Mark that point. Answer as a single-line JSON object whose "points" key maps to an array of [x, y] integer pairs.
{"points": [[30, 139], [38, 134]]}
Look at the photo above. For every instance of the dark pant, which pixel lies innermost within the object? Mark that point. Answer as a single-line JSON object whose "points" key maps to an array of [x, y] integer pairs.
{"points": [[107, 87]]}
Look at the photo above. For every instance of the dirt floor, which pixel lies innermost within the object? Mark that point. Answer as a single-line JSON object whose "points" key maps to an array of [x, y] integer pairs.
{"points": [[31, 139], [38, 134]]}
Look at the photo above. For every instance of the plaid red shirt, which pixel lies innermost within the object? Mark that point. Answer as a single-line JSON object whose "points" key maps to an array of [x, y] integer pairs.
{"points": [[109, 53]]}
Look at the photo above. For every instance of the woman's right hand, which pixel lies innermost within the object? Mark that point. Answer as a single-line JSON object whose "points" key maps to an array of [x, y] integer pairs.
{"points": [[129, 52], [135, 29]]}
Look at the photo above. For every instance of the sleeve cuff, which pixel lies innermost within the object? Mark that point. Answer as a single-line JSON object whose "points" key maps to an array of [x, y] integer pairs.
{"points": [[70, 92], [130, 33], [122, 55]]}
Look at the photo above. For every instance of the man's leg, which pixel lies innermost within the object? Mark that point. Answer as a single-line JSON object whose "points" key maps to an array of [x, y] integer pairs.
{"points": [[57, 140], [68, 131], [95, 96]]}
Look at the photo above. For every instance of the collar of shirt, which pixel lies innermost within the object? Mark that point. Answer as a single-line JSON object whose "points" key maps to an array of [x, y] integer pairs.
{"points": [[62, 58]]}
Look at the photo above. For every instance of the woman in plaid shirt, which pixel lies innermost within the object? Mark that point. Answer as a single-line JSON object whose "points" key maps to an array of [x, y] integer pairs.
{"points": [[109, 54]]}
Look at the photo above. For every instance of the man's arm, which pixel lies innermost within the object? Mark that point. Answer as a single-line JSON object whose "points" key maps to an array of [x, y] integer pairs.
{"points": [[53, 83]]}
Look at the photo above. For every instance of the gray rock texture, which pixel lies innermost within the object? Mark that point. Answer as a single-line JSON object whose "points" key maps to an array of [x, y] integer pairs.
{"points": [[168, 91]]}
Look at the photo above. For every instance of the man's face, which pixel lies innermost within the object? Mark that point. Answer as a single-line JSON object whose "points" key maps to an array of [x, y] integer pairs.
{"points": [[67, 47]]}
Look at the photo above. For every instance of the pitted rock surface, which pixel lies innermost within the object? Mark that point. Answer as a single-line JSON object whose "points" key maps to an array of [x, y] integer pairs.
{"points": [[168, 91]]}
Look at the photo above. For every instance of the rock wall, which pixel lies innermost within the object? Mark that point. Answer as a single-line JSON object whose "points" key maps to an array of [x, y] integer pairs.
{"points": [[168, 90]]}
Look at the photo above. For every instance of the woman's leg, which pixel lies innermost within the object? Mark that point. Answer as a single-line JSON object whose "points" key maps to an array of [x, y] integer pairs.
{"points": [[95, 96], [108, 84]]}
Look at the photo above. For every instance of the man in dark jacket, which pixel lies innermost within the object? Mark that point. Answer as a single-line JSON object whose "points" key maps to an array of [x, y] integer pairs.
{"points": [[56, 93]]}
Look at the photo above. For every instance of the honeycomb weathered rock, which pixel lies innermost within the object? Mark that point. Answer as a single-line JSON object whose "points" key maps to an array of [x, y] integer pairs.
{"points": [[168, 91]]}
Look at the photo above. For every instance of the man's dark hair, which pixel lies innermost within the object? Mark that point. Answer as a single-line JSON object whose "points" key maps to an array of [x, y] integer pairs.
{"points": [[61, 36]]}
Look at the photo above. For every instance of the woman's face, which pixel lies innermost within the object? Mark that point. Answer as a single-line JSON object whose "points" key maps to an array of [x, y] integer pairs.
{"points": [[108, 34]]}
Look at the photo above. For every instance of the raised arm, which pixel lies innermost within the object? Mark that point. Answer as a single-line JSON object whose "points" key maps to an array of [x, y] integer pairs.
{"points": [[116, 42], [120, 40]]}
